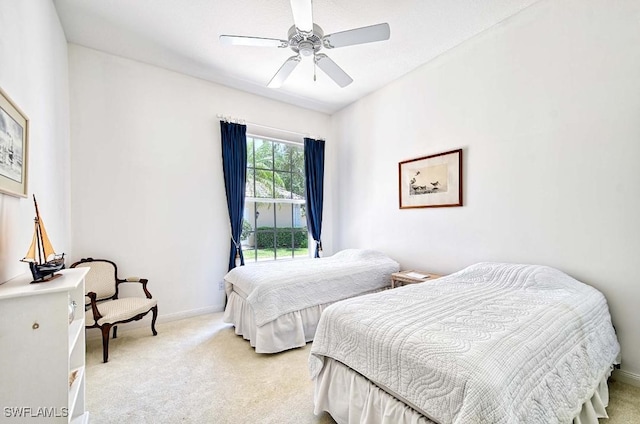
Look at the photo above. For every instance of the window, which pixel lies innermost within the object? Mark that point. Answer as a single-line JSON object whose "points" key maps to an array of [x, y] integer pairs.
{"points": [[275, 224]]}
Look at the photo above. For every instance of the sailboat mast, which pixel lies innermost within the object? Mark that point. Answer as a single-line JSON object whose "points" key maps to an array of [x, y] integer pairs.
{"points": [[36, 205], [38, 241], [38, 232]]}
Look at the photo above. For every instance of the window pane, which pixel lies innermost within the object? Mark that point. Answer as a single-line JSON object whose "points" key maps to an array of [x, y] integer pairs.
{"points": [[297, 185], [264, 214], [300, 244], [250, 152], [297, 159], [249, 188], [283, 215], [263, 153], [249, 247], [299, 217], [300, 240], [265, 234], [284, 254], [284, 235], [265, 242], [297, 167], [248, 237], [281, 191], [283, 185], [264, 184], [248, 218], [285, 241], [282, 155]]}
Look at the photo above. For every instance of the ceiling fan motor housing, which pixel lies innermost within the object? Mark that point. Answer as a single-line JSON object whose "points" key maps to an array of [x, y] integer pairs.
{"points": [[305, 43]]}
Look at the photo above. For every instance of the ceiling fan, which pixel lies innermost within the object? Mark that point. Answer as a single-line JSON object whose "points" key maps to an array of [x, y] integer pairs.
{"points": [[306, 39]]}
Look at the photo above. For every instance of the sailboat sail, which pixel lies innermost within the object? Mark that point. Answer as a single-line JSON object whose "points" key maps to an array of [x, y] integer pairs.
{"points": [[47, 248], [31, 254]]}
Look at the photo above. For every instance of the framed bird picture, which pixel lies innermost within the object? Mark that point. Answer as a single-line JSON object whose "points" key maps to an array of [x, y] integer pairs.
{"points": [[431, 181]]}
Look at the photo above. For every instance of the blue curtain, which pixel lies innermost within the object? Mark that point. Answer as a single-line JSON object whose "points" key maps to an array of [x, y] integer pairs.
{"points": [[234, 166], [314, 175]]}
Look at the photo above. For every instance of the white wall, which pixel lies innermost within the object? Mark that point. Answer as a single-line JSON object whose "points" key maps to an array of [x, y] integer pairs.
{"points": [[33, 72], [546, 106], [147, 182]]}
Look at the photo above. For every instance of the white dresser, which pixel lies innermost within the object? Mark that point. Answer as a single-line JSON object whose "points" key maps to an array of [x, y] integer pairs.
{"points": [[40, 349]]}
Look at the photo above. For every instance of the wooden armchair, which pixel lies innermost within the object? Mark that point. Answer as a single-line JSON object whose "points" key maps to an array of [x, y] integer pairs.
{"points": [[104, 309]]}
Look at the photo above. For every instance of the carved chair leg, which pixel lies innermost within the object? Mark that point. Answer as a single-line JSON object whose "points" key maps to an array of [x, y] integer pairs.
{"points": [[153, 320], [105, 342], [115, 330]]}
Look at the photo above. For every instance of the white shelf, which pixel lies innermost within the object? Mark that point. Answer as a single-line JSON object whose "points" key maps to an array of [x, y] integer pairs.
{"points": [[75, 328], [82, 419], [75, 389]]}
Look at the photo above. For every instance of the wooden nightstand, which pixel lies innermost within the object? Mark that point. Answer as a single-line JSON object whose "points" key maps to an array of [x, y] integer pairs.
{"points": [[404, 277]]}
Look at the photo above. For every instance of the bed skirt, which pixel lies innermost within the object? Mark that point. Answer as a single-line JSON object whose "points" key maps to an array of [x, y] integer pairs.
{"points": [[351, 398], [288, 331]]}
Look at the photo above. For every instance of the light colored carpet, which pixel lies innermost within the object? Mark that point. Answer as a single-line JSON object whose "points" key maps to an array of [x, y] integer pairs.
{"points": [[197, 370]]}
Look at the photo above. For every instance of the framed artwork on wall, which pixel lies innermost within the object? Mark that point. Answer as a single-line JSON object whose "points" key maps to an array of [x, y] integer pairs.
{"points": [[431, 181], [14, 146]]}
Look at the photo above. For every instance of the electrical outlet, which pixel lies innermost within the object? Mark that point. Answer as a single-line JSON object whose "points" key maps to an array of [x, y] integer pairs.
{"points": [[221, 285]]}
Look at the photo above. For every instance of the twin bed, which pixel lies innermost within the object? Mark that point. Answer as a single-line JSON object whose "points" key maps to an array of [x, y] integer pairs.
{"points": [[277, 306], [493, 343]]}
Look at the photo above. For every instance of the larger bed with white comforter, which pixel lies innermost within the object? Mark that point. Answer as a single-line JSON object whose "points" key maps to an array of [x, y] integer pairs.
{"points": [[277, 305], [493, 343]]}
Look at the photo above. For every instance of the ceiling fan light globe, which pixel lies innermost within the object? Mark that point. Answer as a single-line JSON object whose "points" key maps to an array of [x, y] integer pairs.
{"points": [[306, 49]]}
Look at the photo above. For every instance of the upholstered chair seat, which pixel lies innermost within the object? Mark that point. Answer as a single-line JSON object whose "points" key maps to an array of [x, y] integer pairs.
{"points": [[118, 310], [104, 309]]}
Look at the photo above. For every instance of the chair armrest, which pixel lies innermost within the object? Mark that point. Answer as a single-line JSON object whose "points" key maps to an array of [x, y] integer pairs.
{"points": [[142, 281], [94, 307]]}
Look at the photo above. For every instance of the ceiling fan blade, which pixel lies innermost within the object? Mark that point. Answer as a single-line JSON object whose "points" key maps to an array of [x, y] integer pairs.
{"points": [[362, 35], [334, 72], [241, 40], [283, 73], [302, 14]]}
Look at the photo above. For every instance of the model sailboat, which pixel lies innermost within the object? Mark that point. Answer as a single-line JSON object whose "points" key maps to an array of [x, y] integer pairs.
{"points": [[43, 261]]}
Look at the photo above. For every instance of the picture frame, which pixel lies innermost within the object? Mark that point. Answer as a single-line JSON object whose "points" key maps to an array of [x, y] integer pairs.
{"points": [[432, 181], [14, 148]]}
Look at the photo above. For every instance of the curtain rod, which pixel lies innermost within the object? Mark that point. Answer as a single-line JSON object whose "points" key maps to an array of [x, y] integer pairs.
{"points": [[227, 118]]}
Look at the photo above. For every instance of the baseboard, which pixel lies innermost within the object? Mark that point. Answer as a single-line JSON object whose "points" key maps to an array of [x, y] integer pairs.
{"points": [[626, 377], [94, 333], [188, 314]]}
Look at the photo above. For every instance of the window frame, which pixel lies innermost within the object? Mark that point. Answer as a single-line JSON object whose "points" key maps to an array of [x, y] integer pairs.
{"points": [[251, 254]]}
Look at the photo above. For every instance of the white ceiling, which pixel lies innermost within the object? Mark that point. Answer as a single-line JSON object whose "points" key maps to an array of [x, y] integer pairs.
{"points": [[182, 35]]}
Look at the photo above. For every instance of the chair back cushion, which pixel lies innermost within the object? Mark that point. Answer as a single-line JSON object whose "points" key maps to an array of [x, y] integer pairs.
{"points": [[101, 278]]}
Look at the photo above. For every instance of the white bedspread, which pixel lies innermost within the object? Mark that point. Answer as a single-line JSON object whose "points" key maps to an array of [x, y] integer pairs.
{"points": [[493, 343], [277, 288]]}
